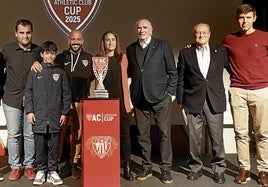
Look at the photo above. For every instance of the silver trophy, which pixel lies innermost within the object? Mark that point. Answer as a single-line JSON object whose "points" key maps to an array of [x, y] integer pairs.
{"points": [[100, 68]]}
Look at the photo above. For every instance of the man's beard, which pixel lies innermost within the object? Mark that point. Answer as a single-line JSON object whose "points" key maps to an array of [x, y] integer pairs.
{"points": [[75, 50]]}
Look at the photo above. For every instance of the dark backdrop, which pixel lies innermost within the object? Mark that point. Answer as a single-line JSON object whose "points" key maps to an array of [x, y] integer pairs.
{"points": [[262, 13]]}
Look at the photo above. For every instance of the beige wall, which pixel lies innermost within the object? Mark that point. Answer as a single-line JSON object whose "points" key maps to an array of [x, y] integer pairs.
{"points": [[172, 20]]}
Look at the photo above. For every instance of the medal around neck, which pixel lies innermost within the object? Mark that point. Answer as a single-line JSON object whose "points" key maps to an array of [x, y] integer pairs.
{"points": [[100, 68]]}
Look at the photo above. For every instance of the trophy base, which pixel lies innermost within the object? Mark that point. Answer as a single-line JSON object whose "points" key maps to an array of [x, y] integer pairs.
{"points": [[101, 94]]}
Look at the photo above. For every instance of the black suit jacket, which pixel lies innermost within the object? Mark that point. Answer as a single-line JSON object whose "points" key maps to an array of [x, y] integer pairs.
{"points": [[193, 88], [158, 75]]}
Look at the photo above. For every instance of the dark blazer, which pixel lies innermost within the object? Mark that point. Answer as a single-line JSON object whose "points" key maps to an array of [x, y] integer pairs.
{"points": [[193, 88], [158, 75]]}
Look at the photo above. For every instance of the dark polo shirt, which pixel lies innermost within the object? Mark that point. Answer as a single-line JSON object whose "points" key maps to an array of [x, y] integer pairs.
{"points": [[2, 76], [18, 63]]}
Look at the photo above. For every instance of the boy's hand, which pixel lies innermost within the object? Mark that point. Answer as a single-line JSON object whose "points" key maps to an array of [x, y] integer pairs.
{"points": [[31, 118], [62, 120]]}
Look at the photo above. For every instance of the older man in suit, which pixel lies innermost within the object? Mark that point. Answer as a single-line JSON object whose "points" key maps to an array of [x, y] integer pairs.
{"points": [[152, 70], [201, 93]]}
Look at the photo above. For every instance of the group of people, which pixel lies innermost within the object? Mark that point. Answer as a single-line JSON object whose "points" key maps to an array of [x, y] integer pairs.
{"points": [[200, 92], [36, 86]]}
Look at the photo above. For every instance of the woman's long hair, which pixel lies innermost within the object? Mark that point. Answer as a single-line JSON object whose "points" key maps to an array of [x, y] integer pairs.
{"points": [[118, 53]]}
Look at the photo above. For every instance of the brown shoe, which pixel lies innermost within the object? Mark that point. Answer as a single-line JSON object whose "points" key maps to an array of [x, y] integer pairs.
{"points": [[14, 175], [263, 179], [29, 173], [76, 173], [243, 176]]}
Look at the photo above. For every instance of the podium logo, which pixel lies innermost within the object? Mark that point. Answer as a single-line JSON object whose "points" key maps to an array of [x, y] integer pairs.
{"points": [[100, 117], [72, 14], [101, 146]]}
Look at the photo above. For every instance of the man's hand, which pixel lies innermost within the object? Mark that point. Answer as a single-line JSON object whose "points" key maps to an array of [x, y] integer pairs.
{"points": [[188, 46], [79, 133], [31, 118], [37, 67], [62, 120]]}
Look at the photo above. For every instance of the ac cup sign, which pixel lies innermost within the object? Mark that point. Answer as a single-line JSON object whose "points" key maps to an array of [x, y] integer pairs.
{"points": [[72, 14]]}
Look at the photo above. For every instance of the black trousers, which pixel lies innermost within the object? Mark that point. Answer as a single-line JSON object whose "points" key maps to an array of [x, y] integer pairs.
{"points": [[46, 147], [161, 113], [215, 128]]}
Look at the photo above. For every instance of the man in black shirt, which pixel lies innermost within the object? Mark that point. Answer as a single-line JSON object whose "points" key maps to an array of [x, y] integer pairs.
{"points": [[18, 58], [78, 65]]}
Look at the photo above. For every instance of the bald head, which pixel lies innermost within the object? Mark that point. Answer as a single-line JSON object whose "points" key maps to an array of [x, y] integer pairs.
{"points": [[144, 30], [144, 20], [75, 41], [202, 34]]}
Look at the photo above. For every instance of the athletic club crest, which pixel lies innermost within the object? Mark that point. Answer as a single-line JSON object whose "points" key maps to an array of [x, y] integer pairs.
{"points": [[56, 76], [72, 14], [85, 62], [101, 146]]}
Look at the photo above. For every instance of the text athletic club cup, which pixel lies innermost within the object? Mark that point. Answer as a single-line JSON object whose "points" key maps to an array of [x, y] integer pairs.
{"points": [[100, 68]]}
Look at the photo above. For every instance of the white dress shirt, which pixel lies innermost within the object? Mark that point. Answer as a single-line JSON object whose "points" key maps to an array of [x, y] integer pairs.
{"points": [[203, 58], [143, 45]]}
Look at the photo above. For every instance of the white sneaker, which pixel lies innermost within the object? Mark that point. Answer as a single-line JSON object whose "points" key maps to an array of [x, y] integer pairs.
{"points": [[39, 178], [1, 177], [53, 177]]}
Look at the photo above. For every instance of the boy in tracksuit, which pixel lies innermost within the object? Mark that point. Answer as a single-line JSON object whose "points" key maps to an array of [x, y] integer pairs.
{"points": [[47, 102]]}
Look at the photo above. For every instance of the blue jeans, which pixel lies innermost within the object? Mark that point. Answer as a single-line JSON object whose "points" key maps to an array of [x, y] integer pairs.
{"points": [[17, 125]]}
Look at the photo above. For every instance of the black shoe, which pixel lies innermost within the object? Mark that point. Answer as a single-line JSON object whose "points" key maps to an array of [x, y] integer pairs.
{"points": [[127, 173], [65, 171], [144, 174], [219, 178], [194, 175], [76, 173], [166, 177]]}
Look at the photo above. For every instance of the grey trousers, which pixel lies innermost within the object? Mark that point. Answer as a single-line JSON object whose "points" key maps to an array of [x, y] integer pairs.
{"points": [[215, 129]]}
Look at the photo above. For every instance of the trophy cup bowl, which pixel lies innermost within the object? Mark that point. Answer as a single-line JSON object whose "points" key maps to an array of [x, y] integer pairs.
{"points": [[100, 68]]}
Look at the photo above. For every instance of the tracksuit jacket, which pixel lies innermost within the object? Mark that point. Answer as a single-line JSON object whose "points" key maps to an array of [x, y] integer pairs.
{"points": [[48, 96]]}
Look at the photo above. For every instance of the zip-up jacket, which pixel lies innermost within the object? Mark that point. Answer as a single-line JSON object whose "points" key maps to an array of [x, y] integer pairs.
{"points": [[48, 96], [79, 70]]}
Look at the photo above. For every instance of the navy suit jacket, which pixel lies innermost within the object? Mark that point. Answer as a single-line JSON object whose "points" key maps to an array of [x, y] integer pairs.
{"points": [[193, 88], [158, 75]]}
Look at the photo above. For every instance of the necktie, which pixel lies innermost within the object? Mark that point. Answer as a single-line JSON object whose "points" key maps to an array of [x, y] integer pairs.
{"points": [[202, 51]]}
